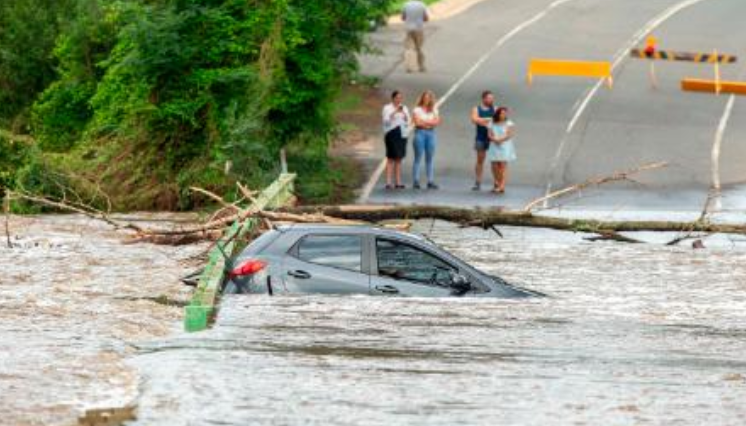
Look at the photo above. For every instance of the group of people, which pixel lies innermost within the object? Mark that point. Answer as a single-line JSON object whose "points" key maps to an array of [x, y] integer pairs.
{"points": [[494, 130], [493, 140]]}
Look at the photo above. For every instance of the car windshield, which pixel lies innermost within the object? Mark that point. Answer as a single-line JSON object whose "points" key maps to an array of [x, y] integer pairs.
{"points": [[478, 287]]}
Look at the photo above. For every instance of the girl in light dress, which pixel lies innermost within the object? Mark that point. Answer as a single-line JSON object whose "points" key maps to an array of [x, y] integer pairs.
{"points": [[502, 149]]}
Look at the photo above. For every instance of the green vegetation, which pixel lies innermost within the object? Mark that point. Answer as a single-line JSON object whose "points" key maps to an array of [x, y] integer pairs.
{"points": [[397, 5], [141, 99]]}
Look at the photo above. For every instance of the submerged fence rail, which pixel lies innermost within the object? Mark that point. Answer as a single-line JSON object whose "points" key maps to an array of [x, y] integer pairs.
{"points": [[203, 306]]}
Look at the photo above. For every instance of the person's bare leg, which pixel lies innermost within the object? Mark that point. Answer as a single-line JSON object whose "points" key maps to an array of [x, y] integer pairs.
{"points": [[495, 175], [397, 171], [389, 171], [503, 175], [479, 169]]}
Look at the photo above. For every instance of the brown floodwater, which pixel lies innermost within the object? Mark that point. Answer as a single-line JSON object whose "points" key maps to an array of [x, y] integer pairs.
{"points": [[631, 334], [73, 298]]}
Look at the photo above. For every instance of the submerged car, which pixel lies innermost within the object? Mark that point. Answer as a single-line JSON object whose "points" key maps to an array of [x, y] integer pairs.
{"points": [[330, 259]]}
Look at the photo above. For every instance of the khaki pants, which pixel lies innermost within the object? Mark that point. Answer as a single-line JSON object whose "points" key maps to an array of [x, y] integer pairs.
{"points": [[414, 58]]}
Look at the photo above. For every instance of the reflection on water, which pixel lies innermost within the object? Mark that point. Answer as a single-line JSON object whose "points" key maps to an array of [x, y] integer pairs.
{"points": [[633, 334]]}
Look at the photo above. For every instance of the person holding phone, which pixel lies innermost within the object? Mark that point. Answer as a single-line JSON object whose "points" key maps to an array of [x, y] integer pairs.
{"points": [[396, 122]]}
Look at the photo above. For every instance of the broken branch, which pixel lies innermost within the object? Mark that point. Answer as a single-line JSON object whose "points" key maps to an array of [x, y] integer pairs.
{"points": [[84, 210], [597, 181]]}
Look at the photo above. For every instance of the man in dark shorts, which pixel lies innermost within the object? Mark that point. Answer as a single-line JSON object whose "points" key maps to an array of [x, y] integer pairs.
{"points": [[481, 116]]}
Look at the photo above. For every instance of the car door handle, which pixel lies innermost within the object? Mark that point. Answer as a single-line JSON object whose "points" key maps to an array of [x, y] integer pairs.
{"points": [[387, 289], [301, 275]]}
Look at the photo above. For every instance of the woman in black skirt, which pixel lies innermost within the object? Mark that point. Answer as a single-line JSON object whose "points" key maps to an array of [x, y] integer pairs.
{"points": [[396, 122]]}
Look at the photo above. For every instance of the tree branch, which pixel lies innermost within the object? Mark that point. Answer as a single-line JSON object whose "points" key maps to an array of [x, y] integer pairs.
{"points": [[616, 177], [84, 210]]}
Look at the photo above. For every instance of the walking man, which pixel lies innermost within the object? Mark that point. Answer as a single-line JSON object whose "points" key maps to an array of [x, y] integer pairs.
{"points": [[414, 15], [481, 116]]}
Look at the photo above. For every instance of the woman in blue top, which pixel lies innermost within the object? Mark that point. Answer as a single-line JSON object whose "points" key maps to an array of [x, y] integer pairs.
{"points": [[501, 150]]}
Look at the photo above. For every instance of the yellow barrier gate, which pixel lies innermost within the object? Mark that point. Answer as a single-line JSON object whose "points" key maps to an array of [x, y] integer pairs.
{"points": [[713, 86], [555, 67]]}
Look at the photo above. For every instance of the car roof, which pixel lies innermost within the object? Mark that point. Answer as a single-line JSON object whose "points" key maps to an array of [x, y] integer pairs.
{"points": [[347, 229]]}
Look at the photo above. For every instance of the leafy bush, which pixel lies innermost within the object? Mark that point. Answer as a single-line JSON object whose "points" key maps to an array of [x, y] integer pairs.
{"points": [[146, 98], [12, 155]]}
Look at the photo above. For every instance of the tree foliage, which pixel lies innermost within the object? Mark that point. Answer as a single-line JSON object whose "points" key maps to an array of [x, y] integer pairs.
{"points": [[149, 97]]}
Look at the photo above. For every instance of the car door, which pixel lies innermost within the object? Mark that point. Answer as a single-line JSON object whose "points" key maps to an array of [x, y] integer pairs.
{"points": [[401, 268], [327, 264]]}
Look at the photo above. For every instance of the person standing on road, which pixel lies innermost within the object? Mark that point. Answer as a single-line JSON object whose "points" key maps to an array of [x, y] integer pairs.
{"points": [[396, 120], [414, 14], [426, 119], [481, 116], [502, 149]]}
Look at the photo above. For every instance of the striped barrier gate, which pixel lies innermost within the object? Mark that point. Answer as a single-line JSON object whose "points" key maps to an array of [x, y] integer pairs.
{"points": [[202, 308], [670, 55], [652, 53]]}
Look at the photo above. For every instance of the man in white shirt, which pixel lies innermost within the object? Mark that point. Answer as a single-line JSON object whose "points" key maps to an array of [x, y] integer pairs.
{"points": [[414, 15]]}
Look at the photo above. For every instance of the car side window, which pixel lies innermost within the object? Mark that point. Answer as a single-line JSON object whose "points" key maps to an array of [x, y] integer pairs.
{"points": [[405, 262], [338, 251]]}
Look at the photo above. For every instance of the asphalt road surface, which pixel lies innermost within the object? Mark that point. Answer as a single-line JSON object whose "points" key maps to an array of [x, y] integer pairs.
{"points": [[571, 129]]}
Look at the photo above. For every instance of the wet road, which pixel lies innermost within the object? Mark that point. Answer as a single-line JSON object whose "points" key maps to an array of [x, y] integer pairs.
{"points": [[633, 334], [572, 129]]}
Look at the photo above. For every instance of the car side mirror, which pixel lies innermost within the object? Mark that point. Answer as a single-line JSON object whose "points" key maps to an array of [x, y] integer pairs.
{"points": [[460, 284]]}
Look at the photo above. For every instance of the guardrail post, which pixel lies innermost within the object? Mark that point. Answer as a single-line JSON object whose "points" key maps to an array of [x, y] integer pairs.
{"points": [[203, 307], [717, 73]]}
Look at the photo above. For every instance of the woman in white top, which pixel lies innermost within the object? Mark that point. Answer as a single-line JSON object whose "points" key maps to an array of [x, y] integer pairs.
{"points": [[426, 119], [396, 121]]}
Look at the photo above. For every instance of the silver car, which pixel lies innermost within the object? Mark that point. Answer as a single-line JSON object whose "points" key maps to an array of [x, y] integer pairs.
{"points": [[330, 259]]}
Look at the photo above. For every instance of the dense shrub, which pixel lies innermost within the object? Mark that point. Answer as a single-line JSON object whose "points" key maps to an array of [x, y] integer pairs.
{"points": [[146, 98]]}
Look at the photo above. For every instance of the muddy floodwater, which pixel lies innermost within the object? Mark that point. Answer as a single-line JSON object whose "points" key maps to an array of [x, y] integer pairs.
{"points": [[73, 299], [630, 335]]}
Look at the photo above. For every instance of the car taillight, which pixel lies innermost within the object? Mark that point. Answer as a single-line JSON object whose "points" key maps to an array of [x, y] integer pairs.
{"points": [[249, 267]]}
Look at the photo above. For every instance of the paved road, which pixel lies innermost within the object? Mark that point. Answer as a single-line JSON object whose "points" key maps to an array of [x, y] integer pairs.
{"points": [[572, 129]]}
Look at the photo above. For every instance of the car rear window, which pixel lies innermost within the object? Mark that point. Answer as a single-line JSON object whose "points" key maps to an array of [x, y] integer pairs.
{"points": [[260, 243], [338, 251]]}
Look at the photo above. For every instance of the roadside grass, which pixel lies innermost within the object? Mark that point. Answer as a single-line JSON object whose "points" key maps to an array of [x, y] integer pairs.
{"points": [[357, 116], [397, 5]]}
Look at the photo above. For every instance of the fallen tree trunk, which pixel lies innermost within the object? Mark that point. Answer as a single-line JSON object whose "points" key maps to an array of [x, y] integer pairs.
{"points": [[486, 218]]}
